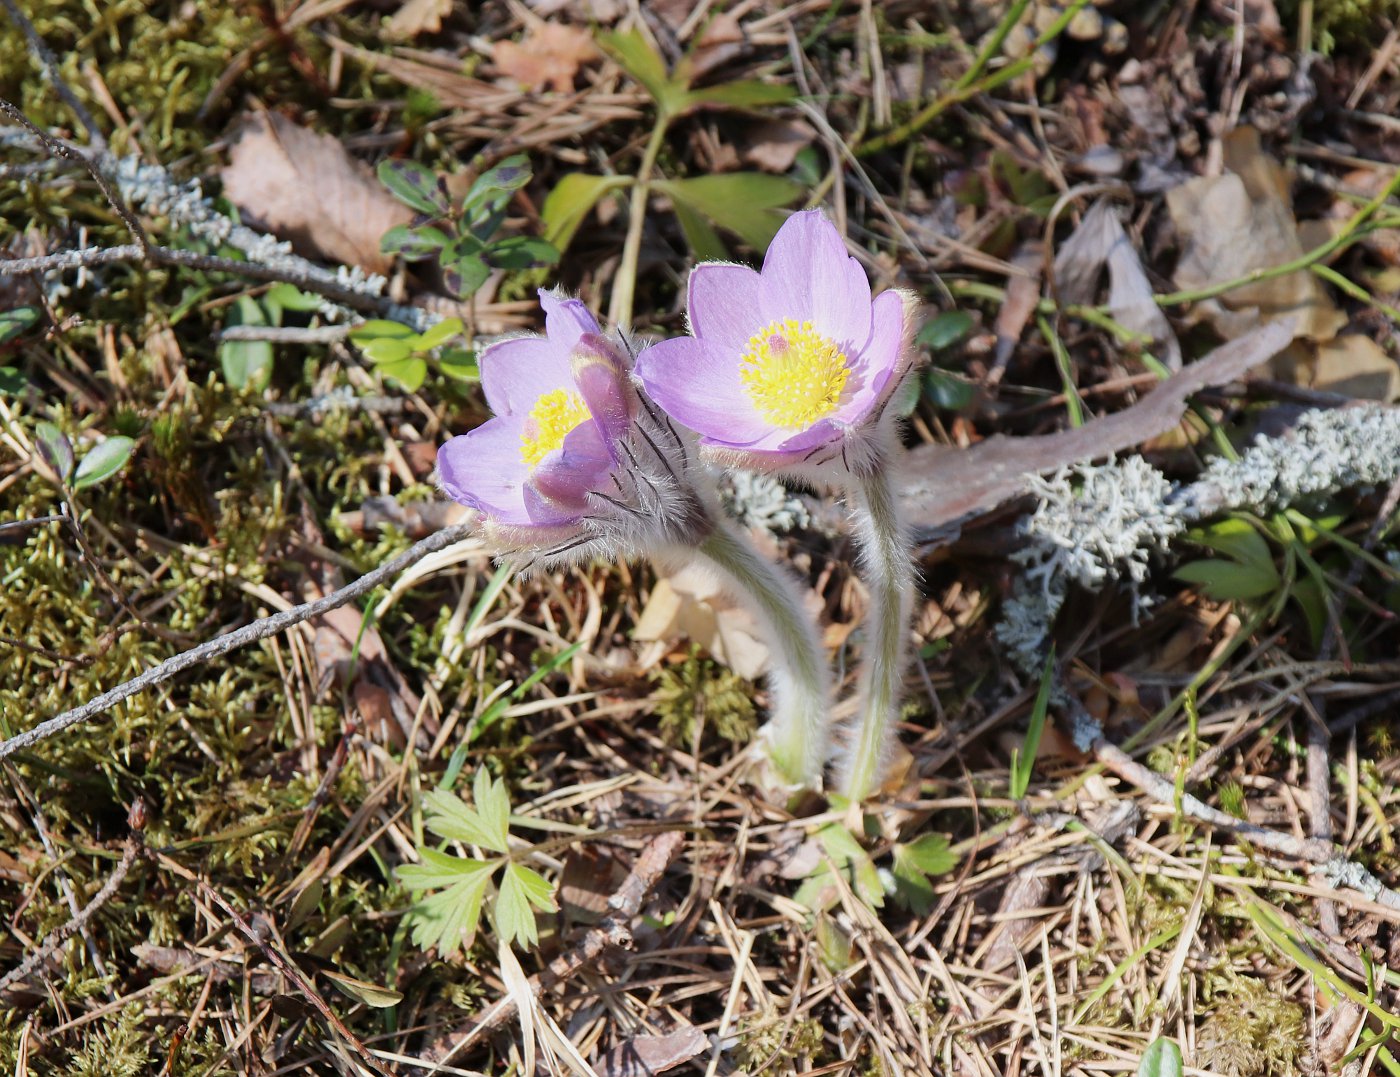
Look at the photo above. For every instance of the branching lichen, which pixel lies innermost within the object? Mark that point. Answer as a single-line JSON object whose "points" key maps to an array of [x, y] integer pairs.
{"points": [[1102, 524]]}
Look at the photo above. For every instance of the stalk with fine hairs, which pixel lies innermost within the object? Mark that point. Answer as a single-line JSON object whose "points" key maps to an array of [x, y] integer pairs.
{"points": [[889, 579], [799, 679]]}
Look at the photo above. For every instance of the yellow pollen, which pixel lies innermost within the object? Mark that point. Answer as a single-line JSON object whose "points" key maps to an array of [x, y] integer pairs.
{"points": [[549, 422], [793, 374]]}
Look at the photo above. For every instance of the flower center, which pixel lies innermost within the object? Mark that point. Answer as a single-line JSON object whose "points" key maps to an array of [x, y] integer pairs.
{"points": [[793, 374], [549, 423]]}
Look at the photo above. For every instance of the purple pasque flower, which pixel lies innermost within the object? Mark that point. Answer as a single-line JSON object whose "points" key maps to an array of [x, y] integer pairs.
{"points": [[787, 367], [558, 464]]}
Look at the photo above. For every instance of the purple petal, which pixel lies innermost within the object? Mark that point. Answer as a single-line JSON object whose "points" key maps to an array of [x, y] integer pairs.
{"points": [[878, 360], [697, 383], [484, 469], [566, 475], [727, 304], [821, 432], [515, 373], [811, 277], [602, 382], [565, 320]]}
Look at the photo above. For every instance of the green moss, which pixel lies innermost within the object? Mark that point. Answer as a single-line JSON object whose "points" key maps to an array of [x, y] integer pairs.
{"points": [[1343, 23], [1252, 1030], [701, 693]]}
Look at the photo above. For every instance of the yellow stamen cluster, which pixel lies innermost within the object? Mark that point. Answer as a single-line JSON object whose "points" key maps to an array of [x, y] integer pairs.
{"points": [[793, 374], [549, 422]]}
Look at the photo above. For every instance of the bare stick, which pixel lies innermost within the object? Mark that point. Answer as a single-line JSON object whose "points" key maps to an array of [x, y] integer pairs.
{"points": [[59, 148], [137, 818], [319, 281], [260, 629], [1338, 869], [50, 66]]}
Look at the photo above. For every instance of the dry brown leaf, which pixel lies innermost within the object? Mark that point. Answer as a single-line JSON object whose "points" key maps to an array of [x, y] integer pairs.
{"points": [[1239, 222], [419, 17], [645, 1055], [305, 188], [691, 604], [1352, 365], [1100, 241], [773, 145], [550, 53], [941, 485], [1022, 297]]}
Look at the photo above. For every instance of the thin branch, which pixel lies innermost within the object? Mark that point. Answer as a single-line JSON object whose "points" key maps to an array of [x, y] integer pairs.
{"points": [[58, 148], [260, 629], [78, 922], [1335, 867], [47, 60], [314, 279]]}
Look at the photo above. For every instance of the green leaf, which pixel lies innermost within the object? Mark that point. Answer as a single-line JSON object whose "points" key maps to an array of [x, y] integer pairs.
{"points": [[448, 919], [55, 447], [448, 816], [745, 203], [1237, 539], [385, 350], [290, 297], [492, 804], [1161, 1059], [930, 853], [1023, 758], [520, 252], [361, 991], [377, 328], [569, 203], [247, 364], [949, 391], [704, 241], [12, 382], [407, 372], [465, 276], [1311, 596], [852, 861], [741, 94], [16, 321], [522, 891], [510, 175], [945, 330], [834, 945], [440, 869], [635, 55], [459, 363], [104, 461], [915, 863], [437, 335], [1230, 581], [414, 186], [413, 244]]}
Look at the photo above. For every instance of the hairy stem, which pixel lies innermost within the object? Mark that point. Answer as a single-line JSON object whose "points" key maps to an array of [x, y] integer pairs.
{"points": [[889, 577], [798, 729]]}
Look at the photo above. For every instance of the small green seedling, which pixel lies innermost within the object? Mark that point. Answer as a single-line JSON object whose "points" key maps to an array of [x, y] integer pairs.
{"points": [[462, 238], [400, 353], [456, 888]]}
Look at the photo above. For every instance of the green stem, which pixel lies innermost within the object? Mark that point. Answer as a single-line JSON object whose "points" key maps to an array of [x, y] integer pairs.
{"points": [[625, 283], [798, 728], [889, 578]]}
